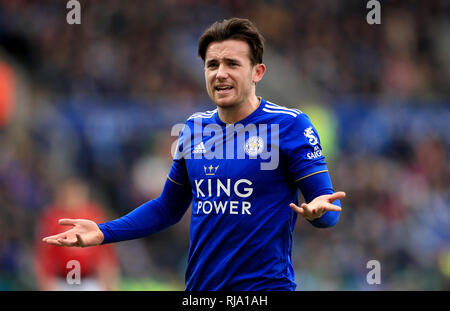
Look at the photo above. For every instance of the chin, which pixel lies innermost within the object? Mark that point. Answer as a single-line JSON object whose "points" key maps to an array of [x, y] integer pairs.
{"points": [[225, 102]]}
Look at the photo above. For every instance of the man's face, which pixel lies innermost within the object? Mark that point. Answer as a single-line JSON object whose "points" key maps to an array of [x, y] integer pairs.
{"points": [[229, 74]]}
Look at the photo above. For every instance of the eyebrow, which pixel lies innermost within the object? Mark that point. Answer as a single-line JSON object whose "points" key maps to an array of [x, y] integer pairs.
{"points": [[226, 59]]}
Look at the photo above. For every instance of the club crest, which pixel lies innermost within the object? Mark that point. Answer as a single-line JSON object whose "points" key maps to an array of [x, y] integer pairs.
{"points": [[254, 146]]}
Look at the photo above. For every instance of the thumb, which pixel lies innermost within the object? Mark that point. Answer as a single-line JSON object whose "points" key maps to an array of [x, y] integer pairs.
{"points": [[336, 196], [67, 222]]}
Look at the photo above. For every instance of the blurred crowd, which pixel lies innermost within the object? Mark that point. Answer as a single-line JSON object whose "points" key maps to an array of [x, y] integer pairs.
{"points": [[103, 96], [128, 48]]}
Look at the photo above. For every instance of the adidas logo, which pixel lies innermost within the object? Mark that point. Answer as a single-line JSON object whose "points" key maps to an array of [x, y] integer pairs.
{"points": [[200, 148]]}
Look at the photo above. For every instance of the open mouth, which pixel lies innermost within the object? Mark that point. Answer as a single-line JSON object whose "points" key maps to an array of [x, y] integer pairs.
{"points": [[223, 88]]}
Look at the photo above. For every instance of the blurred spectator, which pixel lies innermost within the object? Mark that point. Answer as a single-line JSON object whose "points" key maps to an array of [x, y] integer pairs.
{"points": [[99, 266]]}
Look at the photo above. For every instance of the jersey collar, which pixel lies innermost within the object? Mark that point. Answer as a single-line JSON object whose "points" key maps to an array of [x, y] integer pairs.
{"points": [[248, 118]]}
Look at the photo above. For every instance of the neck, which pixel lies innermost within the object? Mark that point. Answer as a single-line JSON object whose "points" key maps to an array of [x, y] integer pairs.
{"points": [[239, 112]]}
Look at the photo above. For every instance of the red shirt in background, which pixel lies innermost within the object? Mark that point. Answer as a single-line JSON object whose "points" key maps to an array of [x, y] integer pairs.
{"points": [[52, 260]]}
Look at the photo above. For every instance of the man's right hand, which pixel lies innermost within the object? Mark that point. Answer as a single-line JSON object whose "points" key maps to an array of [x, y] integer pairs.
{"points": [[84, 233]]}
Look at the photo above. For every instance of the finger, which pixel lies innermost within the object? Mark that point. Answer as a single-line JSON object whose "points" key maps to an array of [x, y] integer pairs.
{"points": [[297, 209], [48, 238], [67, 222], [52, 242], [306, 207], [68, 242], [56, 236], [327, 208], [332, 208], [336, 196]]}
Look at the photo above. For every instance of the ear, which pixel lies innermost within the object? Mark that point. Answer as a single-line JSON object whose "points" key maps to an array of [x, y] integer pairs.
{"points": [[258, 72]]}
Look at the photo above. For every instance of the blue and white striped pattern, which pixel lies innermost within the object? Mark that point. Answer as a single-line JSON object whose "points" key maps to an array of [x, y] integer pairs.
{"points": [[273, 108], [206, 114]]}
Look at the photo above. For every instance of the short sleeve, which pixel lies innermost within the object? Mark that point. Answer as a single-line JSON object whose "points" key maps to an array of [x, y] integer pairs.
{"points": [[300, 145]]}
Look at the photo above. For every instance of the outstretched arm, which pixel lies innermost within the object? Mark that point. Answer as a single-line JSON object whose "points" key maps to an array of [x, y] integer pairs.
{"points": [[152, 216], [148, 218], [323, 207]]}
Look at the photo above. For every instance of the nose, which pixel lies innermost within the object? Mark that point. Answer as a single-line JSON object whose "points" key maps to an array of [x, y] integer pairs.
{"points": [[221, 72]]}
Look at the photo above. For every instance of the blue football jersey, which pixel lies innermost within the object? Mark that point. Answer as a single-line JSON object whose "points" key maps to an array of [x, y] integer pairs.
{"points": [[243, 178]]}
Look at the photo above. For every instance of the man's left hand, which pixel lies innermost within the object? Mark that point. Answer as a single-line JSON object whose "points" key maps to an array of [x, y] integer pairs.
{"points": [[317, 207]]}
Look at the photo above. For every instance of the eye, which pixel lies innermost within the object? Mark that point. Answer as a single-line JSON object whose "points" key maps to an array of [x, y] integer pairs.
{"points": [[211, 65]]}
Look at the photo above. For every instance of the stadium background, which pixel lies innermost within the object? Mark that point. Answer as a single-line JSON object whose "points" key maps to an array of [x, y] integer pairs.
{"points": [[99, 100]]}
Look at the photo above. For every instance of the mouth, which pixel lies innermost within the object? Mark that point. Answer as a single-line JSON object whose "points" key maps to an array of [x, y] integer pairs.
{"points": [[223, 89]]}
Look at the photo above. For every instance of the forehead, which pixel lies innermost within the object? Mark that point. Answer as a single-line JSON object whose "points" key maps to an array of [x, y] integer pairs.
{"points": [[228, 49]]}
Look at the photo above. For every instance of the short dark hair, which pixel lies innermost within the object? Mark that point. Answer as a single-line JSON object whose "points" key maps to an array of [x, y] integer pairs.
{"points": [[234, 28]]}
